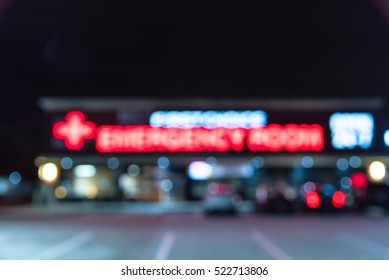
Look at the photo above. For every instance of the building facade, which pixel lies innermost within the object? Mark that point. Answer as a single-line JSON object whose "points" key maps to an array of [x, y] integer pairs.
{"points": [[170, 149]]}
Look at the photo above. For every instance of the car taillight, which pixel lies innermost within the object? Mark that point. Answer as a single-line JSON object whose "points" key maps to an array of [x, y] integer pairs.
{"points": [[338, 199], [359, 180], [312, 199]]}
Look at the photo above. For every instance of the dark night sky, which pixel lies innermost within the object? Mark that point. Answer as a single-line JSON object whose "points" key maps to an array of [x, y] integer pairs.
{"points": [[300, 48]]}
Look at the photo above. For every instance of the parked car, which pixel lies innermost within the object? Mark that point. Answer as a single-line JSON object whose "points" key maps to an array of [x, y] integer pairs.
{"points": [[221, 198], [323, 197], [278, 198], [375, 194]]}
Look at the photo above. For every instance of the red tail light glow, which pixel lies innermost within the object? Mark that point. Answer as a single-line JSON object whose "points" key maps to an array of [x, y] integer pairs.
{"points": [[359, 180], [312, 199], [338, 199]]}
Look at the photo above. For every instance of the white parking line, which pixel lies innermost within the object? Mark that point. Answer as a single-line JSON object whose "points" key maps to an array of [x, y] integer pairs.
{"points": [[270, 247], [65, 246], [364, 244], [166, 245]]}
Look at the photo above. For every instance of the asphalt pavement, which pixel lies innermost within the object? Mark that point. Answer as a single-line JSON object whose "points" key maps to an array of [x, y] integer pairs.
{"points": [[107, 231]]}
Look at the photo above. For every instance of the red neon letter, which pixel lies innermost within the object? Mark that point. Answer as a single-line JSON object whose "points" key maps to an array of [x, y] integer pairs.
{"points": [[104, 139], [291, 137], [237, 137], [275, 138], [313, 137], [257, 139]]}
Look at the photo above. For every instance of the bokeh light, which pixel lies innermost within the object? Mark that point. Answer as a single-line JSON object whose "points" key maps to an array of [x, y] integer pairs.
{"points": [[377, 171]]}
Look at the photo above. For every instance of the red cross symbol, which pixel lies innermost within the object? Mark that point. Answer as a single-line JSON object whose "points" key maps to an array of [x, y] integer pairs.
{"points": [[74, 130]]}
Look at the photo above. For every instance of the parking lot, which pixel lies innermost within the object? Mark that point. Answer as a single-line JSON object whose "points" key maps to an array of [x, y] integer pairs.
{"points": [[100, 232]]}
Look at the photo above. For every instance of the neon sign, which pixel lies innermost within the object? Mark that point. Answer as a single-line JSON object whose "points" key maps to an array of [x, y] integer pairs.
{"points": [[145, 138], [150, 139], [291, 137], [74, 130], [209, 119], [386, 137], [350, 130]]}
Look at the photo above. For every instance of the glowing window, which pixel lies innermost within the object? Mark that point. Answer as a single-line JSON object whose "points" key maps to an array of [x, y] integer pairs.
{"points": [[85, 171], [199, 170]]}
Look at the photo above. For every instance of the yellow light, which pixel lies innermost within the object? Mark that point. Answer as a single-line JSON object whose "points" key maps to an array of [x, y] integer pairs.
{"points": [[48, 172], [60, 192], [377, 171], [91, 192]]}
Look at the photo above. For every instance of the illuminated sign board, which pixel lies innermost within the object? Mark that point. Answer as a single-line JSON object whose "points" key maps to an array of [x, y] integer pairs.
{"points": [[291, 137], [150, 139], [146, 138], [74, 130], [209, 119], [350, 130], [386, 138]]}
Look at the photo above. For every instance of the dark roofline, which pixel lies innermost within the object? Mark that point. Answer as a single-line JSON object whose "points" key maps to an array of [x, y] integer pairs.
{"points": [[59, 104]]}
